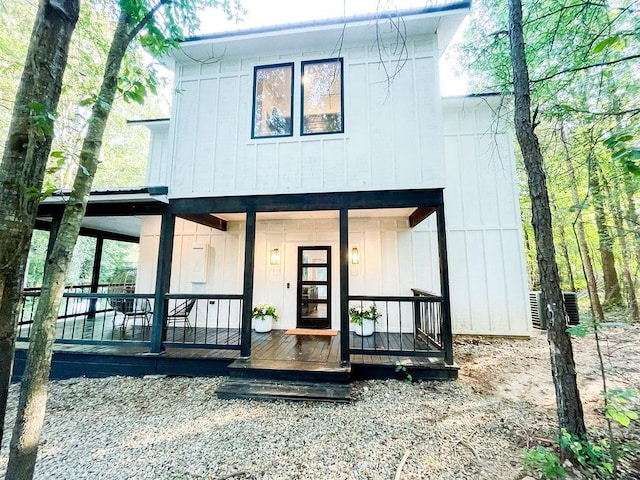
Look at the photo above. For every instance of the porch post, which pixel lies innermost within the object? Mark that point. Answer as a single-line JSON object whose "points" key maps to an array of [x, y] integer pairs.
{"points": [[344, 286], [53, 232], [447, 333], [247, 300], [163, 280], [95, 275]]}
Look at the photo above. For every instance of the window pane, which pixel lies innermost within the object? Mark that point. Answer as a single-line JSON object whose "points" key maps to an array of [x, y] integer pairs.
{"points": [[314, 274], [322, 97], [314, 256], [272, 107]]}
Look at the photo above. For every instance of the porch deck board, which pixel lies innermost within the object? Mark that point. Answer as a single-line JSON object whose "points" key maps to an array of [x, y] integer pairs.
{"points": [[274, 346]]}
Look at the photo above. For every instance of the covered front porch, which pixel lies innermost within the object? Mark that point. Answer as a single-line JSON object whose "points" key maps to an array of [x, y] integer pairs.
{"points": [[413, 331]]}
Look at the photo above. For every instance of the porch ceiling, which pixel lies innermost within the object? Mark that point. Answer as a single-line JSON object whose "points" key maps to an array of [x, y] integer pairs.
{"points": [[109, 227]]}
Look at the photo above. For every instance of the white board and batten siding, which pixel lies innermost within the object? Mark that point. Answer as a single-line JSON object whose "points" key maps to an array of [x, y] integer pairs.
{"points": [[392, 139], [391, 262], [488, 279]]}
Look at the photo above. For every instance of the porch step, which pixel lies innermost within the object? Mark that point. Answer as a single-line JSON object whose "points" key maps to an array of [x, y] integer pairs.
{"points": [[292, 370], [246, 388]]}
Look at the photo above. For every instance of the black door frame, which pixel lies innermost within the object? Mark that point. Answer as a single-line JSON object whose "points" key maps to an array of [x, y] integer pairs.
{"points": [[300, 321]]}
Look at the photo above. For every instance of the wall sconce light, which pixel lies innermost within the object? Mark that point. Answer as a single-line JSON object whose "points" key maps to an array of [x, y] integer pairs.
{"points": [[355, 256], [274, 257]]}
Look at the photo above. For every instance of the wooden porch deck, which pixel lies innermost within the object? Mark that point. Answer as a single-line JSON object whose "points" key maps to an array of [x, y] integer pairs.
{"points": [[189, 359]]}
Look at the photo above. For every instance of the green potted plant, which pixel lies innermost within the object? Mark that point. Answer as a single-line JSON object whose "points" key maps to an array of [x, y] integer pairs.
{"points": [[364, 319], [263, 316]]}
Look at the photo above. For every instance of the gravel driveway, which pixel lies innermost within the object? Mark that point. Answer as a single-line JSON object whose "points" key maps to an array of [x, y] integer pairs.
{"points": [[475, 428], [174, 428]]}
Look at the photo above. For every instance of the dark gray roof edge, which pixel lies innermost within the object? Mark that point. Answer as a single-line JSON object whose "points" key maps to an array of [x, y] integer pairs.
{"points": [[151, 190], [475, 95], [148, 120], [459, 5]]}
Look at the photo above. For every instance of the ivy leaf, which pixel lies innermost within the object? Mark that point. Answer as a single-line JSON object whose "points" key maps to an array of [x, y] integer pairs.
{"points": [[581, 330], [606, 43]]}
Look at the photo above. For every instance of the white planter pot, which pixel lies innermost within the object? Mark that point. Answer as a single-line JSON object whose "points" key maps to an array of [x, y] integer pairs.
{"points": [[366, 328], [262, 325]]}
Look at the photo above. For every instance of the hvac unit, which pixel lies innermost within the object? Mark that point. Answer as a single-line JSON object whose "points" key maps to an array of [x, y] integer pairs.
{"points": [[570, 305]]}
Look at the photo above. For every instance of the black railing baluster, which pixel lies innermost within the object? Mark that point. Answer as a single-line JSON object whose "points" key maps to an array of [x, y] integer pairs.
{"points": [[386, 311], [400, 321], [426, 319]]}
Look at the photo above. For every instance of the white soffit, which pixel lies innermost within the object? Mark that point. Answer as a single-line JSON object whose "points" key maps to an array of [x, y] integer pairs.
{"points": [[123, 225]]}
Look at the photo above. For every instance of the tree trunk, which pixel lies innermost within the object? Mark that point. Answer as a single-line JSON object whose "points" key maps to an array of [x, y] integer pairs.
{"points": [[632, 220], [616, 210], [33, 388], [612, 292], [570, 414], [564, 250], [23, 163], [578, 227]]}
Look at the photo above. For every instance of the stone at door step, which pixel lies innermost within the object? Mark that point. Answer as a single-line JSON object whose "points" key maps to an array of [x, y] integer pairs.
{"points": [[284, 390]]}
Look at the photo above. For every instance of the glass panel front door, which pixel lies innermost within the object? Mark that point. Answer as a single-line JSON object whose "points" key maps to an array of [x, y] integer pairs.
{"points": [[314, 287]]}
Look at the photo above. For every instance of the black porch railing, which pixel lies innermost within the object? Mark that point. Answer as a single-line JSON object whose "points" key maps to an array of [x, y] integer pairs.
{"points": [[408, 326], [203, 321], [94, 318], [106, 318]]}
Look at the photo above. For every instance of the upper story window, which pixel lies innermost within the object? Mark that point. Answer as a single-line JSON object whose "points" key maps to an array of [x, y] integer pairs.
{"points": [[273, 101], [322, 103]]}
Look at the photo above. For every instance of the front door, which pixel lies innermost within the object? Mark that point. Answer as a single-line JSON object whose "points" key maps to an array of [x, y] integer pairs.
{"points": [[314, 287]]}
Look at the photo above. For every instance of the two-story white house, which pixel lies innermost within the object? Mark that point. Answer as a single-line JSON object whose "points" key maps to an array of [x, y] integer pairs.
{"points": [[315, 167]]}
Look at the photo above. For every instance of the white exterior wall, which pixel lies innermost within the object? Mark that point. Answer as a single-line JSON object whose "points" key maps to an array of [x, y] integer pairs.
{"points": [[223, 270], [158, 161], [488, 280], [385, 244], [392, 139], [485, 250]]}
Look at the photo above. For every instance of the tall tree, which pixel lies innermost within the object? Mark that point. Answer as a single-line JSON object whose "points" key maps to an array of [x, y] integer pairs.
{"points": [[580, 55], [579, 231], [23, 162], [612, 292], [570, 413], [134, 16]]}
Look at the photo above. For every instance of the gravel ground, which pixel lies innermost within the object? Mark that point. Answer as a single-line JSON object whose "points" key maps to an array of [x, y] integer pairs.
{"points": [[175, 428]]}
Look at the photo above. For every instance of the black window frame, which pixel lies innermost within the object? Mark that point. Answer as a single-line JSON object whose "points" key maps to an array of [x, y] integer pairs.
{"points": [[310, 62], [253, 110]]}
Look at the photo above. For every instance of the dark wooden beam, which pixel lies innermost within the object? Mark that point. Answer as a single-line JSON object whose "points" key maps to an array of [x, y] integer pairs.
{"points": [[108, 209], [345, 355], [447, 331], [207, 220], [308, 201], [95, 275], [247, 302], [419, 214], [163, 281], [54, 226]]}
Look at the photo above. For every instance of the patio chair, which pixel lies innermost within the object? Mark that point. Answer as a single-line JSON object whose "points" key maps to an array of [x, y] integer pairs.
{"points": [[181, 310], [131, 307]]}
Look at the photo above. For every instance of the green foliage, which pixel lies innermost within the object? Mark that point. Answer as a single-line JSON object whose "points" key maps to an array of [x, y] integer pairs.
{"points": [[401, 368], [624, 151], [543, 461], [589, 325], [264, 309], [42, 119], [578, 109], [591, 456], [359, 313], [617, 405]]}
